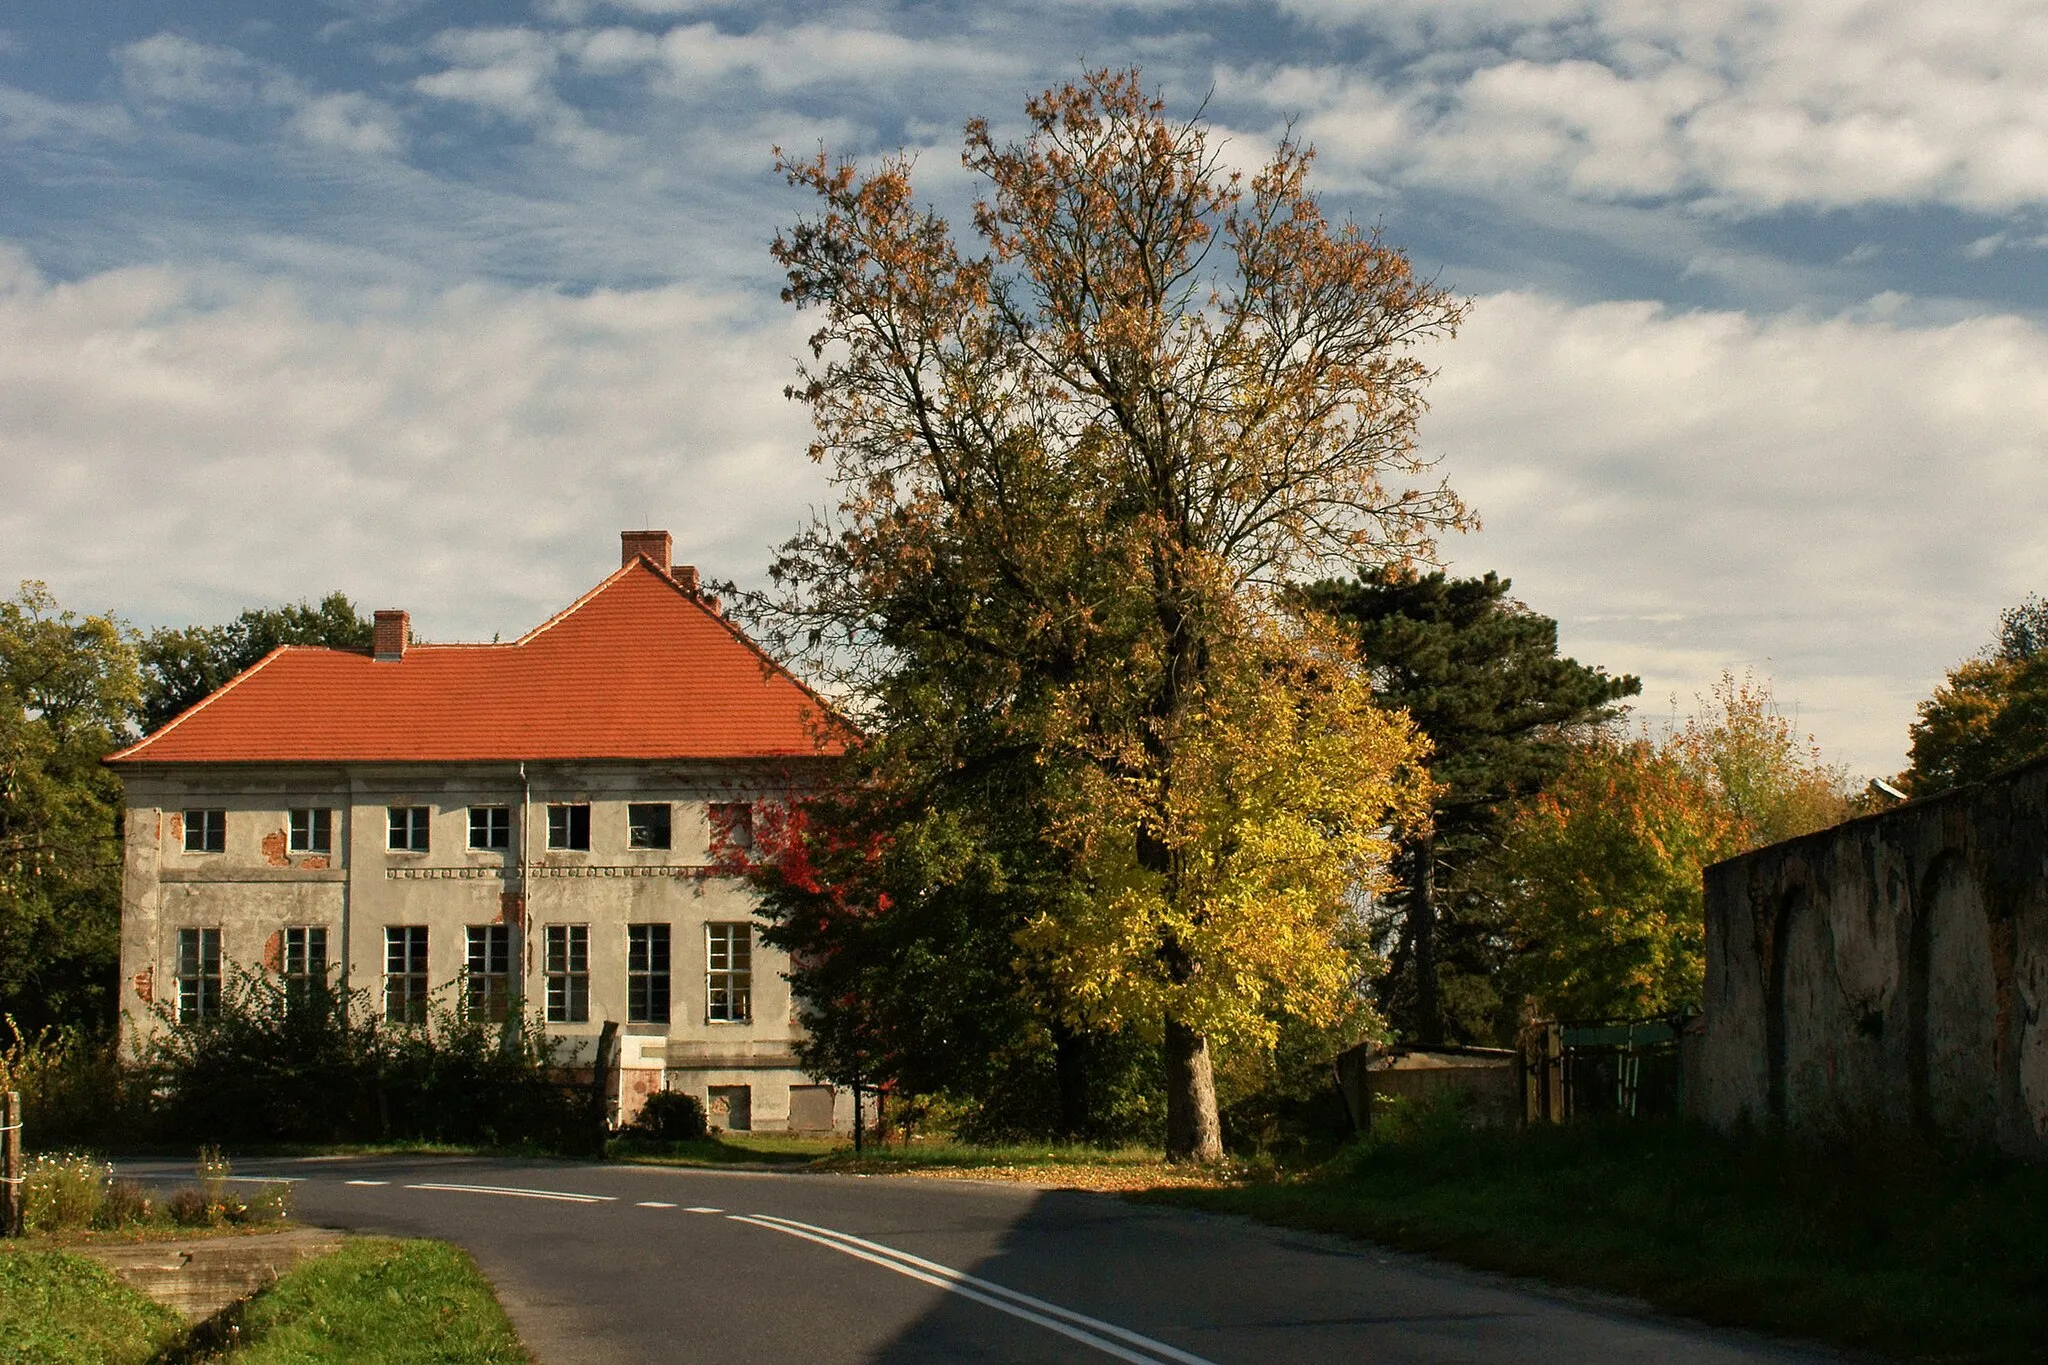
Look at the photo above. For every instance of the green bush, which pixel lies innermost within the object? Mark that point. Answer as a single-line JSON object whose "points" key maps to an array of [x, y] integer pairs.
{"points": [[74, 1089], [671, 1116], [276, 1065]]}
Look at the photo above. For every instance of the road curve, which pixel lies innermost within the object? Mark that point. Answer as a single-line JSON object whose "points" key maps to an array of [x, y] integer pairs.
{"points": [[625, 1264]]}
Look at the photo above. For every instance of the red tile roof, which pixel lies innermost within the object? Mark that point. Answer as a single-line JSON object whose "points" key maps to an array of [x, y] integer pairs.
{"points": [[638, 668]]}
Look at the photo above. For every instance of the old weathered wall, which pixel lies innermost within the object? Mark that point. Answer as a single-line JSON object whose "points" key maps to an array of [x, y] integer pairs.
{"points": [[1888, 974]]}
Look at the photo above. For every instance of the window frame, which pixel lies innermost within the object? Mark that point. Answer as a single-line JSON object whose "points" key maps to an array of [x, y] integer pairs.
{"points": [[312, 834], [565, 826], [636, 822], [729, 989], [499, 829], [412, 823], [650, 978], [730, 822], [302, 962], [487, 973], [565, 967], [198, 974], [405, 991], [206, 829]]}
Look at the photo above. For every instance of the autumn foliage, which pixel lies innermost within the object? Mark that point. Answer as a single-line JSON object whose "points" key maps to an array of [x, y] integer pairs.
{"points": [[1603, 867]]}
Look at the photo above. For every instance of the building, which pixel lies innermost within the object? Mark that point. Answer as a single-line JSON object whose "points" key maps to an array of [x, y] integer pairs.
{"points": [[489, 823]]}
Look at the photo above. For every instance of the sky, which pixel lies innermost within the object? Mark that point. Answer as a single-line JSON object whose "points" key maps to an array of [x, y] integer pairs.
{"points": [[427, 301]]}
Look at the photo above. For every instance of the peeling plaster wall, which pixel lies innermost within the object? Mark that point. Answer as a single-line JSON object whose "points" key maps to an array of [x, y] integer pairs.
{"points": [[1889, 974]]}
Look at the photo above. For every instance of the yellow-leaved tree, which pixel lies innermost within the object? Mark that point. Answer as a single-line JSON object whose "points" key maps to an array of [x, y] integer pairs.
{"points": [[1602, 869], [1284, 784]]}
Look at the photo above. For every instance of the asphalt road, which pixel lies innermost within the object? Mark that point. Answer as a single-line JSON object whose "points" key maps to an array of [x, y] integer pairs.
{"points": [[635, 1263]]}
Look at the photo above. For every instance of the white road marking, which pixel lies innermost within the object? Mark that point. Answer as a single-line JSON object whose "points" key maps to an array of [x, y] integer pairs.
{"points": [[1075, 1326], [565, 1196], [699, 1208], [260, 1179], [369, 1182], [652, 1204]]}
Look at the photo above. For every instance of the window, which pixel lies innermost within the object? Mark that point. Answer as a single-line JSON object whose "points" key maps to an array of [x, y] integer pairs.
{"points": [[198, 972], [206, 831], [729, 978], [569, 827], [305, 963], [647, 973], [647, 825], [732, 826], [568, 972], [490, 827], [408, 829], [405, 973], [313, 830], [489, 993]]}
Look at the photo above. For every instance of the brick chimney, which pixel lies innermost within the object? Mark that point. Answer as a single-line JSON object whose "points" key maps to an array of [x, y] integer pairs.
{"points": [[686, 574], [394, 628], [655, 545]]}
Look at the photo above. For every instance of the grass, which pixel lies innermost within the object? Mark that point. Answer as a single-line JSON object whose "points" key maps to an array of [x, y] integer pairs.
{"points": [[1901, 1251], [379, 1301], [376, 1301], [57, 1309]]}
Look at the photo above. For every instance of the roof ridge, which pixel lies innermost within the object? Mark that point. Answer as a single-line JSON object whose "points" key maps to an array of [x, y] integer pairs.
{"points": [[209, 699]]}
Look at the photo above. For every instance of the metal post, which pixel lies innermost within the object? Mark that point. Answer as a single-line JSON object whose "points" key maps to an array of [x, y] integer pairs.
{"points": [[10, 1165]]}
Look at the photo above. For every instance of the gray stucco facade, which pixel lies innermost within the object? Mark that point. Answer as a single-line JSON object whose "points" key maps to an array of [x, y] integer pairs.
{"points": [[1889, 974], [256, 888]]}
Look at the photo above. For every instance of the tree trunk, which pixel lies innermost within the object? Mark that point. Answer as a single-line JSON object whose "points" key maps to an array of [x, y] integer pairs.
{"points": [[1070, 1065], [1429, 1010], [1193, 1131]]}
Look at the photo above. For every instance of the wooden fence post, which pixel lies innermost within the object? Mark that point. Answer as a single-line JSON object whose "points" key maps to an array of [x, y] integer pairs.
{"points": [[10, 1165]]}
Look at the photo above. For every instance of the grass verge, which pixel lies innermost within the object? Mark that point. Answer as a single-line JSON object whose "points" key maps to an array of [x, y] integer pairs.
{"points": [[61, 1309], [1899, 1251], [379, 1301]]}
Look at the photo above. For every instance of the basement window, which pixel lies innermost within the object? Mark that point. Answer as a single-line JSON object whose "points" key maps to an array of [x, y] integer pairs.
{"points": [[408, 829], [647, 826], [729, 974], [490, 827], [647, 974], [568, 972], [198, 973], [488, 994], [312, 829], [206, 831], [405, 973], [569, 826]]}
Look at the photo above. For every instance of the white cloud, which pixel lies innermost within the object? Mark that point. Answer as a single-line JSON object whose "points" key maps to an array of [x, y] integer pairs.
{"points": [[1742, 108], [510, 73], [1845, 503], [165, 72], [166, 69], [181, 444]]}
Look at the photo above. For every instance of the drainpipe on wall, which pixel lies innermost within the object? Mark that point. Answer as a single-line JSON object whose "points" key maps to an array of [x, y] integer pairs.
{"points": [[348, 885], [525, 900]]}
